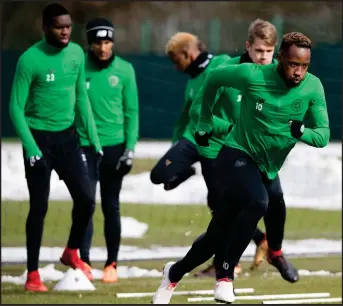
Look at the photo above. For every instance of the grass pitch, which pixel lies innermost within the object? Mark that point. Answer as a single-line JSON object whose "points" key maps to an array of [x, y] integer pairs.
{"points": [[169, 225], [262, 280]]}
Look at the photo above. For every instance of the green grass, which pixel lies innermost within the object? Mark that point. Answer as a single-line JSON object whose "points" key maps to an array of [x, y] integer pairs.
{"points": [[261, 280], [169, 225]]}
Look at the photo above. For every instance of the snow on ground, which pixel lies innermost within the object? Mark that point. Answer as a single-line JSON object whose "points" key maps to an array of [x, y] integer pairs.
{"points": [[311, 178], [49, 273], [294, 248]]}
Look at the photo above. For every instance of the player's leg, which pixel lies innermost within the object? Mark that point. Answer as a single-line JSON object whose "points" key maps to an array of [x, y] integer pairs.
{"points": [[71, 166], [275, 225], [110, 186], [38, 183], [249, 196], [175, 166], [261, 249], [93, 175], [242, 216], [214, 193], [259, 236]]}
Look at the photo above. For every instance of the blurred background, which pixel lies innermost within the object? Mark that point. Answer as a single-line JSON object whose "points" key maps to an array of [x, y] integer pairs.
{"points": [[143, 28]]}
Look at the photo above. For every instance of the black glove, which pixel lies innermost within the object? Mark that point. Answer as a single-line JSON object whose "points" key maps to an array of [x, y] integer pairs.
{"points": [[297, 128], [201, 138], [124, 164], [37, 161]]}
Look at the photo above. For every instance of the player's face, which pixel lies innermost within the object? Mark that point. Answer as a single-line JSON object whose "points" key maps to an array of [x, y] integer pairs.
{"points": [[260, 52], [102, 49], [180, 59], [295, 63], [60, 30]]}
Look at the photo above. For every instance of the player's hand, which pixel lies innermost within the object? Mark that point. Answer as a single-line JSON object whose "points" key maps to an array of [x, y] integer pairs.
{"points": [[201, 138], [297, 128], [124, 164], [37, 161]]}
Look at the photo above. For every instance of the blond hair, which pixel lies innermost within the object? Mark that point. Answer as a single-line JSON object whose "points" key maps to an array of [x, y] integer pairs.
{"points": [[182, 41], [263, 30]]}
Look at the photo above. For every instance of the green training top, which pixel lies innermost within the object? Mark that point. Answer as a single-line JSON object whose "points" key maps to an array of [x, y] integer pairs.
{"points": [[112, 92], [225, 113], [185, 126], [227, 107], [263, 130], [48, 87]]}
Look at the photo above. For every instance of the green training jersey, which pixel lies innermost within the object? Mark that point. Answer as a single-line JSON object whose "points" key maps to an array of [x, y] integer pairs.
{"points": [[186, 125], [225, 113], [48, 87], [113, 96], [227, 107], [267, 106]]}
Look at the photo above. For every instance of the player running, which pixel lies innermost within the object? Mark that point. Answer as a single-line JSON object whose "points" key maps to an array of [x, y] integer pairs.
{"points": [[277, 98]]}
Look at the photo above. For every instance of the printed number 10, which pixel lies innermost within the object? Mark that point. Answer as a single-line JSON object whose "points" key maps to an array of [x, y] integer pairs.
{"points": [[259, 106]]}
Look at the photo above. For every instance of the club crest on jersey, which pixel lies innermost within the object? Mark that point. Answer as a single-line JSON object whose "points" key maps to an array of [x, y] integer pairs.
{"points": [[70, 66], [297, 105], [113, 80]]}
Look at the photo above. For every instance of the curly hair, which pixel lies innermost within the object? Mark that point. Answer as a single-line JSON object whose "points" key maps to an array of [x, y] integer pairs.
{"points": [[295, 38]]}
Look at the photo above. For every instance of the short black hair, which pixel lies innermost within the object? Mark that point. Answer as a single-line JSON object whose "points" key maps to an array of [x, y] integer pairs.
{"points": [[51, 11], [295, 38]]}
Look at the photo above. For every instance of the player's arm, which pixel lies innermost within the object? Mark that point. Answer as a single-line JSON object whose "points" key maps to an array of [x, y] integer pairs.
{"points": [[23, 78], [221, 126], [183, 120], [131, 110], [235, 76], [83, 107], [317, 134]]}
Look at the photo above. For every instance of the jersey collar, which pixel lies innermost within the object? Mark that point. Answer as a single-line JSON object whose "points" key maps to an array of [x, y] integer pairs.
{"points": [[199, 64]]}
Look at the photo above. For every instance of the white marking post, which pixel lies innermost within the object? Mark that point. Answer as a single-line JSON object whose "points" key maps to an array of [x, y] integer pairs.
{"points": [[194, 292], [267, 297], [304, 301]]}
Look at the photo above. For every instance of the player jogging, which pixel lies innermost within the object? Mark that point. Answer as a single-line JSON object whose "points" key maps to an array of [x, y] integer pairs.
{"points": [[112, 91], [48, 88], [191, 57], [260, 46], [277, 98]]}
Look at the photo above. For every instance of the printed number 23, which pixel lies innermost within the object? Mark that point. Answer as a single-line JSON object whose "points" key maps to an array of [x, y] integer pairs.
{"points": [[259, 106]]}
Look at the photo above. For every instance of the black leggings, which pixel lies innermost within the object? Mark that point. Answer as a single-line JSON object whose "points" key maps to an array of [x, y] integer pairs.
{"points": [[61, 152], [244, 202], [110, 185]]}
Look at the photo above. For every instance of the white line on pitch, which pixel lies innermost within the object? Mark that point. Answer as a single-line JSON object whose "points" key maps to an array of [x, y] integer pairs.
{"points": [[304, 301], [267, 297], [195, 292]]}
